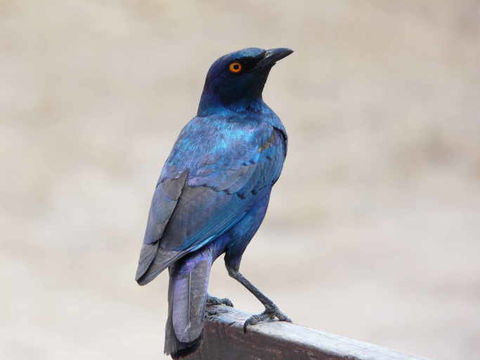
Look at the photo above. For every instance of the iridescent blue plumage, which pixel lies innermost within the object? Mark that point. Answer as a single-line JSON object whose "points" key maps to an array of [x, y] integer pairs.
{"points": [[214, 190]]}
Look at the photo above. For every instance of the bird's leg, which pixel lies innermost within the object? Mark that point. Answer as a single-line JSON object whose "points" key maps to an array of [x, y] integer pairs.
{"points": [[271, 310], [212, 300]]}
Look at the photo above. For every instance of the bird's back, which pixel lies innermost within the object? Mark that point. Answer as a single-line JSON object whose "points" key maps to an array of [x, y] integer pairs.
{"points": [[229, 159]]}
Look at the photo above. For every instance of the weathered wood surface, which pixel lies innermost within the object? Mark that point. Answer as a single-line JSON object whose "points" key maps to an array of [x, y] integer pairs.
{"points": [[224, 339]]}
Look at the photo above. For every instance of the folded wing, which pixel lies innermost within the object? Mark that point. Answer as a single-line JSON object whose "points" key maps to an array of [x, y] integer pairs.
{"points": [[210, 181]]}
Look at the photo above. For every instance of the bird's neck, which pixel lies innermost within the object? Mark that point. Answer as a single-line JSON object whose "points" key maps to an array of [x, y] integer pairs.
{"points": [[212, 104]]}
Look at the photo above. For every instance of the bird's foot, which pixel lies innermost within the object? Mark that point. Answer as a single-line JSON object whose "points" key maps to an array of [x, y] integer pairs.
{"points": [[212, 300], [271, 312]]}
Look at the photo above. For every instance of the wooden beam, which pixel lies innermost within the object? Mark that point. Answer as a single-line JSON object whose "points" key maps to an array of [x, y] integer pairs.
{"points": [[224, 339]]}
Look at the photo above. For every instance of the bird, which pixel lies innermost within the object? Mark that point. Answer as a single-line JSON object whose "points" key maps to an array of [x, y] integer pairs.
{"points": [[213, 193]]}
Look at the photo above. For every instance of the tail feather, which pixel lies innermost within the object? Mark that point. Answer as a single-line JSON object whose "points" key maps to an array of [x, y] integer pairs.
{"points": [[187, 297]]}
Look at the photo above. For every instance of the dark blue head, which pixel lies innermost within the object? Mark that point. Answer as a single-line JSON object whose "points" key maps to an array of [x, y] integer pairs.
{"points": [[236, 80]]}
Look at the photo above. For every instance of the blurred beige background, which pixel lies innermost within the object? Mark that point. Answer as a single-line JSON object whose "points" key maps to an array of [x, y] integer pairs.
{"points": [[373, 230]]}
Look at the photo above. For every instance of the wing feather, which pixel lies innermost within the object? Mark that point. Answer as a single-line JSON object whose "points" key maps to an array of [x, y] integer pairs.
{"points": [[210, 181]]}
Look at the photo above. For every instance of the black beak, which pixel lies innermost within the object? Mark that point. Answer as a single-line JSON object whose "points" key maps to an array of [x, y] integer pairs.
{"points": [[272, 56]]}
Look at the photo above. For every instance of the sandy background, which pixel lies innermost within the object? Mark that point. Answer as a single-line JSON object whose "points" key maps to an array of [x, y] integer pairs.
{"points": [[373, 230]]}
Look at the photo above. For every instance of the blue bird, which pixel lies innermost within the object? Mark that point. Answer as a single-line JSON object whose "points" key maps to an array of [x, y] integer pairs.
{"points": [[213, 193]]}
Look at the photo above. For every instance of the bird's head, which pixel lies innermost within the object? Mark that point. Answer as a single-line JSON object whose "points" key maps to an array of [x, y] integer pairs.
{"points": [[236, 80]]}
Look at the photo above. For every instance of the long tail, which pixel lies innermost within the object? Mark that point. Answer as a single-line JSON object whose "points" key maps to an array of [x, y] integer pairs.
{"points": [[187, 297]]}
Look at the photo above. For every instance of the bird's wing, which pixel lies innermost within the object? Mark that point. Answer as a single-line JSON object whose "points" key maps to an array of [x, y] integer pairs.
{"points": [[213, 176], [164, 201]]}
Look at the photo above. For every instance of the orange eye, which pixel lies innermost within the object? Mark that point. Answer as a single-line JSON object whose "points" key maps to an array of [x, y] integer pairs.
{"points": [[235, 67]]}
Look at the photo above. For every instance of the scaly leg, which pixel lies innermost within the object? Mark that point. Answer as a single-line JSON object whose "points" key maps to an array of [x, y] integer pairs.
{"points": [[271, 310]]}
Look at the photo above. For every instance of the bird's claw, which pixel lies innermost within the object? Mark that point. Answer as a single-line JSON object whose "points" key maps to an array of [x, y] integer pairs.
{"points": [[270, 313], [212, 300], [211, 312]]}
